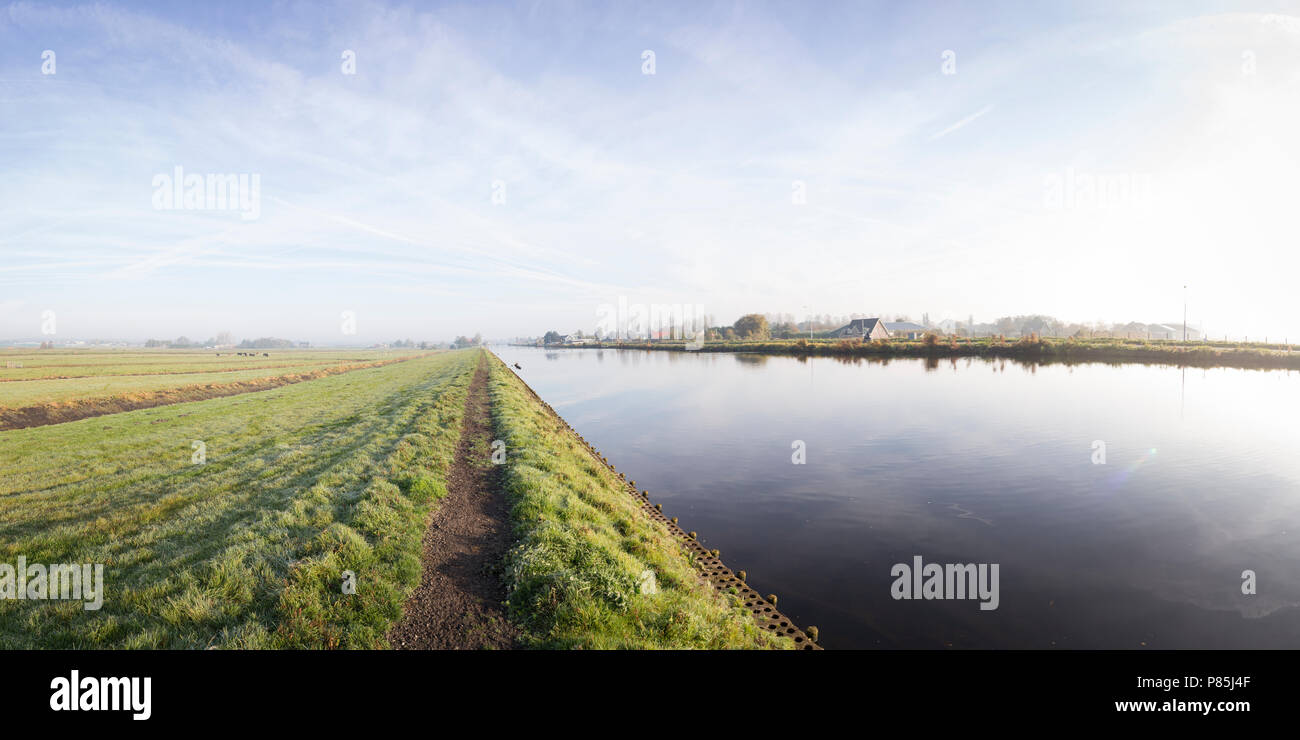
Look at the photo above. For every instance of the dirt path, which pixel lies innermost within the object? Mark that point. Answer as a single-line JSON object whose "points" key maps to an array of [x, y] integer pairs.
{"points": [[458, 604]]}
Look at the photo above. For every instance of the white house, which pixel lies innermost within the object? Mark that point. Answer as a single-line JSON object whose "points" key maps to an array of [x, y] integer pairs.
{"points": [[1172, 330], [905, 329]]}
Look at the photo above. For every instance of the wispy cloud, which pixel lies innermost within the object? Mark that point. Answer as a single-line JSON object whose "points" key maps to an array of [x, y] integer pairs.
{"points": [[378, 188], [962, 123]]}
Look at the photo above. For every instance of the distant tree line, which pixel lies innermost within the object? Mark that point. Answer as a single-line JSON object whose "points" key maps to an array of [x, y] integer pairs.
{"points": [[267, 343], [180, 343], [224, 339], [757, 326], [463, 341], [783, 326]]}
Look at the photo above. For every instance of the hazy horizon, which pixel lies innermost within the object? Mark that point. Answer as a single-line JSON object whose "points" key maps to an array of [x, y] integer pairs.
{"points": [[509, 168], [632, 330]]}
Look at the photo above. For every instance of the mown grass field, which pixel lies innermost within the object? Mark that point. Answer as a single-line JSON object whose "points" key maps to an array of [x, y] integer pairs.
{"points": [[245, 550], [25, 364], [245, 547], [55, 376], [583, 545]]}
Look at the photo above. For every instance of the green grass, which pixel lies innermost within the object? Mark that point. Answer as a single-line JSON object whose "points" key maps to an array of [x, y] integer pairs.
{"points": [[583, 542], [301, 483], [29, 364], [306, 481], [68, 377]]}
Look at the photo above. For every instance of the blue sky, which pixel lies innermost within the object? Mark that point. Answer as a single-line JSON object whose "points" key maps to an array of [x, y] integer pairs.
{"points": [[950, 194]]}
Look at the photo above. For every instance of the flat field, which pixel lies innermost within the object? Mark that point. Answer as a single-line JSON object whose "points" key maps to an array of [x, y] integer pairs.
{"points": [[243, 548], [53, 386], [227, 522]]}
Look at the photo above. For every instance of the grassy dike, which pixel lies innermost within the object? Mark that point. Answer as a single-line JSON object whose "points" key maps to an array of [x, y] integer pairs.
{"points": [[378, 536], [583, 542], [342, 473]]}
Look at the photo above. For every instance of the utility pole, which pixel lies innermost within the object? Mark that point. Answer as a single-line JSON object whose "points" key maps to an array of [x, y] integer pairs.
{"points": [[1184, 314]]}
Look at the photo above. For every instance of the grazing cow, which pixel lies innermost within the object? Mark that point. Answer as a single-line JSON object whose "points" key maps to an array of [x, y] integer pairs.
{"points": [[266, 354]]}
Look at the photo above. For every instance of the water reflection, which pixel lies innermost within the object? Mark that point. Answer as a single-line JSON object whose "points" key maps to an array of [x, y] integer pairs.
{"points": [[1201, 481]]}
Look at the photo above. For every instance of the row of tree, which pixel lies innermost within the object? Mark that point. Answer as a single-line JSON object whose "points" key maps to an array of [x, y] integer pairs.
{"points": [[463, 341], [756, 326], [180, 343], [224, 339], [783, 326], [269, 343]]}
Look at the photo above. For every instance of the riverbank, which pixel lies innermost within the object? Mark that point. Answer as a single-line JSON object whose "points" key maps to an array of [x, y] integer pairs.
{"points": [[596, 564], [1113, 351], [359, 510]]}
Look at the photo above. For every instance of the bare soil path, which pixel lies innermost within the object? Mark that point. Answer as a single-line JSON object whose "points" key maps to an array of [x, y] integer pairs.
{"points": [[459, 604]]}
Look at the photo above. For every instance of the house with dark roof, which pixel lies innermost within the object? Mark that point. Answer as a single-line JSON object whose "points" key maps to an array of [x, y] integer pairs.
{"points": [[864, 329]]}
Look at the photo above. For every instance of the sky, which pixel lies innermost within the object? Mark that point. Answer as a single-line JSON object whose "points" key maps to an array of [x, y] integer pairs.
{"points": [[430, 170]]}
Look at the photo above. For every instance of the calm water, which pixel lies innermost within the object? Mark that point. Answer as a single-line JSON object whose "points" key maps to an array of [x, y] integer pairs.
{"points": [[967, 462]]}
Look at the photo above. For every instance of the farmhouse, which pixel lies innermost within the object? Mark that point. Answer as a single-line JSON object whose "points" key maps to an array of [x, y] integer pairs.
{"points": [[904, 329], [864, 329], [1173, 330], [1138, 330]]}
